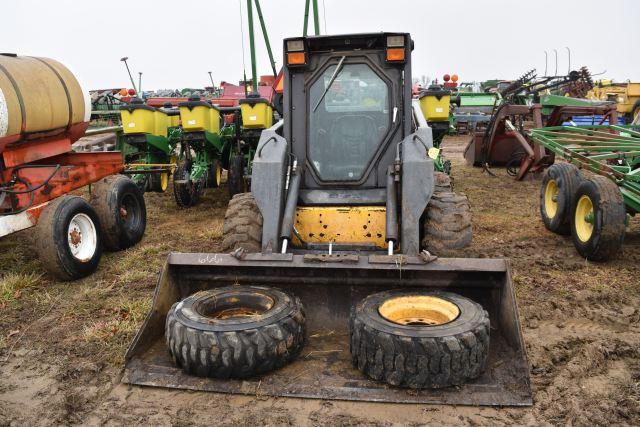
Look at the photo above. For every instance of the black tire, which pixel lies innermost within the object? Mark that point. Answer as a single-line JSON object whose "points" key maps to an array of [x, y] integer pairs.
{"points": [[185, 191], [447, 223], [242, 224], [214, 175], [235, 180], [122, 211], [419, 356], [158, 182], [566, 178], [206, 345], [442, 182], [52, 238], [609, 217]]}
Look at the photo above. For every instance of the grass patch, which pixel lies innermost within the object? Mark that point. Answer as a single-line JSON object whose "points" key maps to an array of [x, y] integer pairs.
{"points": [[112, 335], [13, 285]]}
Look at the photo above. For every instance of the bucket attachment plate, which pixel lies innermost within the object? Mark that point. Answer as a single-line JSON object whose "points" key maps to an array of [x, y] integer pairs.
{"points": [[328, 290]]}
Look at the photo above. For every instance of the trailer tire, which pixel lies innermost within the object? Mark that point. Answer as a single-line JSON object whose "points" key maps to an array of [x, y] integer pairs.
{"points": [[186, 192], [410, 353], [122, 211], [58, 220], [235, 179], [242, 224], [559, 182], [447, 224], [600, 237], [235, 331]]}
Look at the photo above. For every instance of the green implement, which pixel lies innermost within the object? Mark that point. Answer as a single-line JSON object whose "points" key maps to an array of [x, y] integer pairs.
{"points": [[611, 151]]}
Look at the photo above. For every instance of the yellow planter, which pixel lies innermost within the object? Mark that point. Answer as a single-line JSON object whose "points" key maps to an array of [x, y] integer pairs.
{"points": [[434, 104], [257, 113], [198, 116], [162, 122], [138, 118]]}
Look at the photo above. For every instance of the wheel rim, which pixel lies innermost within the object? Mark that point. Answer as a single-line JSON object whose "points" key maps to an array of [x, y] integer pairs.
{"points": [[218, 175], [419, 310], [164, 181], [551, 199], [236, 306], [584, 218], [82, 237]]}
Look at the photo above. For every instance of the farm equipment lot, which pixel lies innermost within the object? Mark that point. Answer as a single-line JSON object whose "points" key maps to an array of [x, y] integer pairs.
{"points": [[62, 344]]}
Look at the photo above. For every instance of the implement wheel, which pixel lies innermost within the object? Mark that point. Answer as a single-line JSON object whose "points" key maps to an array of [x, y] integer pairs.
{"points": [[185, 191], [122, 211], [68, 239], [235, 180], [235, 331], [599, 215], [159, 182], [419, 339], [447, 225], [242, 224], [557, 191], [214, 177]]}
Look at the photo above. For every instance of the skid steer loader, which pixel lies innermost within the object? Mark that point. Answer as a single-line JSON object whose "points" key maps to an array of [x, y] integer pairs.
{"points": [[330, 286]]}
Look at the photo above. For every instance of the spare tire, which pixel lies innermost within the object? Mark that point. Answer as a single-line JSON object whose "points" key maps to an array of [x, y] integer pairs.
{"points": [[419, 339], [235, 331]]}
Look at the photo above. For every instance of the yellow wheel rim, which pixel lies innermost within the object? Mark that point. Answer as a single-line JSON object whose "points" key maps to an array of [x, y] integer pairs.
{"points": [[419, 310], [584, 218], [218, 175], [164, 181], [551, 199]]}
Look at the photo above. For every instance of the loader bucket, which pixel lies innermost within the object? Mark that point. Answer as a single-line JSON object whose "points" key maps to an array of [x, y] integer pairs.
{"points": [[329, 285]]}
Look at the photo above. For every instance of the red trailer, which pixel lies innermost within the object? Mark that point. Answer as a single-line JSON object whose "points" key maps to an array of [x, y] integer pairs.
{"points": [[43, 111]]}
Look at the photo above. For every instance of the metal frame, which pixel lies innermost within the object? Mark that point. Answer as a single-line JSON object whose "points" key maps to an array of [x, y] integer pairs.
{"points": [[598, 149]]}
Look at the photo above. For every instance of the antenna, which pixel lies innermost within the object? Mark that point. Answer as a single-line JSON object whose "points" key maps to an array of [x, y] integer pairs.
{"points": [[569, 52], [556, 52], [546, 57]]}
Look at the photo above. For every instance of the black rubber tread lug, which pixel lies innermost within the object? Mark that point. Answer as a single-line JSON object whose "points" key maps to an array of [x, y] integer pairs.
{"points": [[447, 226]]}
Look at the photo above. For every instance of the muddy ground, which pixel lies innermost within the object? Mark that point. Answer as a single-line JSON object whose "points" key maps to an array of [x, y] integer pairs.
{"points": [[62, 344]]}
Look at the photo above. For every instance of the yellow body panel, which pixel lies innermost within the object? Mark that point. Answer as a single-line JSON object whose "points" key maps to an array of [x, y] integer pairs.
{"points": [[260, 116], [624, 95], [174, 121], [435, 109], [362, 225], [138, 121]]}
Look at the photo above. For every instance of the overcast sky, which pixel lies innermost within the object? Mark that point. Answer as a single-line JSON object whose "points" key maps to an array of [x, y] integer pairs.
{"points": [[175, 42]]}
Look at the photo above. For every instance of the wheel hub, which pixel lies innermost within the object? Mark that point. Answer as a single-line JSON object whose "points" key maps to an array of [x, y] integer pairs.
{"points": [[82, 237], [584, 218], [419, 310], [551, 199]]}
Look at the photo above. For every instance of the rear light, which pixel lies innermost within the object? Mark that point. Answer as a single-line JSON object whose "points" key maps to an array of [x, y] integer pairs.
{"points": [[454, 78], [123, 92], [132, 92], [446, 77], [395, 54], [295, 58]]}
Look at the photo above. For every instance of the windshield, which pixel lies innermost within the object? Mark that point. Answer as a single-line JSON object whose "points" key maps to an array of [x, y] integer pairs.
{"points": [[349, 122]]}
